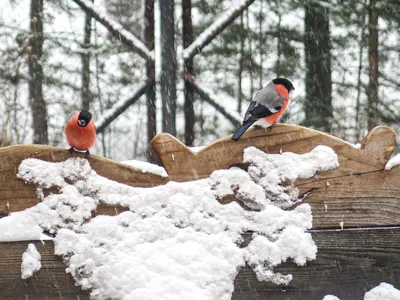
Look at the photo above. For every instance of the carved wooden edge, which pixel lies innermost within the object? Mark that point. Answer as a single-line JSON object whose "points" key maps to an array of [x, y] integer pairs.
{"points": [[12, 156], [183, 165]]}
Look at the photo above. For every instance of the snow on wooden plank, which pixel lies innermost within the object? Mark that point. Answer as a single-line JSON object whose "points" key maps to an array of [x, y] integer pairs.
{"points": [[349, 263], [359, 193], [15, 195], [183, 165]]}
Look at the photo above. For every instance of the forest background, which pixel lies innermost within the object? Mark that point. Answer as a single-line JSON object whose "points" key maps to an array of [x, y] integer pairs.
{"points": [[130, 63]]}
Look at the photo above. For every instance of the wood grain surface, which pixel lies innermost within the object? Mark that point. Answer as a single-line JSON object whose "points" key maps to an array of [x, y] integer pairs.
{"points": [[50, 283], [349, 263], [358, 200]]}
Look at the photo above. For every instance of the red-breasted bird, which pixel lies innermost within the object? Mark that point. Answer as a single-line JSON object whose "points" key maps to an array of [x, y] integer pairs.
{"points": [[268, 105], [80, 131]]}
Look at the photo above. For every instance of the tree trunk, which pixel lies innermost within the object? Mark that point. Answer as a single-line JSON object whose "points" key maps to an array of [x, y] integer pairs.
{"points": [[150, 71], [251, 57], [359, 82], [86, 95], [317, 44], [260, 47], [168, 66], [36, 101], [373, 60], [189, 92], [240, 69]]}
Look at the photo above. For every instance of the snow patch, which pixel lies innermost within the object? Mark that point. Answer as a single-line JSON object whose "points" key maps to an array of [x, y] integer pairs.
{"points": [[30, 262], [146, 167], [383, 291], [19, 226], [394, 161], [330, 297], [196, 149], [269, 170]]}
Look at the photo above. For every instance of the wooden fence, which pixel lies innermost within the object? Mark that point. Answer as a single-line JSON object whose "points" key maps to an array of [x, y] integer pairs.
{"points": [[356, 213]]}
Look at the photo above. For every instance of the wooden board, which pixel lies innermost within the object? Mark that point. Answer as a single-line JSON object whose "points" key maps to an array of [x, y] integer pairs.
{"points": [[50, 283], [362, 200], [15, 195], [184, 165], [349, 263]]}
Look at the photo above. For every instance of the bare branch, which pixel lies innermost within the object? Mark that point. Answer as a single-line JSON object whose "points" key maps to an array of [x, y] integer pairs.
{"points": [[121, 106], [232, 116], [117, 30], [214, 29]]}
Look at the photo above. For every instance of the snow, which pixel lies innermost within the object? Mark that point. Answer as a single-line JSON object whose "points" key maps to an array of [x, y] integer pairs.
{"points": [[30, 262], [210, 31], [394, 161], [330, 297], [146, 167], [176, 241], [384, 291], [276, 168], [19, 227], [196, 149]]}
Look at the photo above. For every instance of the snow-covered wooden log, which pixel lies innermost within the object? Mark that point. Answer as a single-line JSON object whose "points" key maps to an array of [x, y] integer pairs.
{"points": [[15, 195], [349, 263], [182, 164], [355, 210]]}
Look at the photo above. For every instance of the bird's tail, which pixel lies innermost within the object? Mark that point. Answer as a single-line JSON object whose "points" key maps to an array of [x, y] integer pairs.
{"points": [[236, 136]]}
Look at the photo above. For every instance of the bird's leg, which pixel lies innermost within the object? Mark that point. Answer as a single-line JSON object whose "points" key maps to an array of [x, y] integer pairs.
{"points": [[71, 152], [270, 127], [87, 153]]}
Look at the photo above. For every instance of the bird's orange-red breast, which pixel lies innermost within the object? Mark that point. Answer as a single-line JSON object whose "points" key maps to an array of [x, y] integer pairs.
{"points": [[282, 91], [80, 131]]}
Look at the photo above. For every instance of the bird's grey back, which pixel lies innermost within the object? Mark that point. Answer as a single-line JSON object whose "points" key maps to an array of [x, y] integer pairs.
{"points": [[269, 97]]}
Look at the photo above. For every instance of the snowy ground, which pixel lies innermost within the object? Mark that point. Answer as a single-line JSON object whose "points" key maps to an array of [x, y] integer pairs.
{"points": [[176, 241]]}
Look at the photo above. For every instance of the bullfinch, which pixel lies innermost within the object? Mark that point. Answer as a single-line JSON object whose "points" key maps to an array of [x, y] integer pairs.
{"points": [[81, 132], [268, 105]]}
